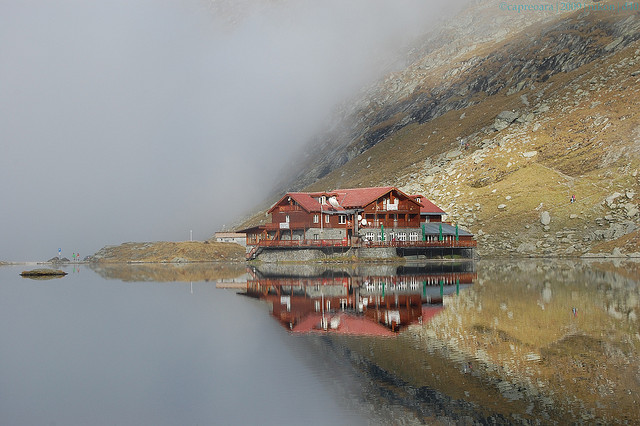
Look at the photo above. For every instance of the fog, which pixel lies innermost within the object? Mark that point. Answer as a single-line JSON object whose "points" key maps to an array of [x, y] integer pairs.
{"points": [[141, 120]]}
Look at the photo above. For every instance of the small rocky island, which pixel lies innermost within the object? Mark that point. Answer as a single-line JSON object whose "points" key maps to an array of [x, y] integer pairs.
{"points": [[44, 272]]}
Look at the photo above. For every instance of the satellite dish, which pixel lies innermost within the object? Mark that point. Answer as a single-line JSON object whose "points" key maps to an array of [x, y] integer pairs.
{"points": [[334, 202], [363, 222], [359, 217]]}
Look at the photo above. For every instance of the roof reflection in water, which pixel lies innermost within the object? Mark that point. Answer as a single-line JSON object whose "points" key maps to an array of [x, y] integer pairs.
{"points": [[374, 301]]}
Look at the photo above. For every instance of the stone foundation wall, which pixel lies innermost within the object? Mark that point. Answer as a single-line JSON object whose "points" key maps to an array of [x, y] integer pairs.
{"points": [[325, 234], [376, 253], [302, 255]]}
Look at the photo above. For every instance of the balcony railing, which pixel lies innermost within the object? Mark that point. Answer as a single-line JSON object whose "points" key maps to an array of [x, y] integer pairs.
{"points": [[346, 243], [444, 244], [286, 225], [304, 243]]}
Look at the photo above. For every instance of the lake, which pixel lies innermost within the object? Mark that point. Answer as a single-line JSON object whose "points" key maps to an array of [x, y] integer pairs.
{"points": [[531, 341]]}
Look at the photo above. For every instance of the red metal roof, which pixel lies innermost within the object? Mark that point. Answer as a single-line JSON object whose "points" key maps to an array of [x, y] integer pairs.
{"points": [[360, 197], [304, 200], [427, 207], [352, 198]]}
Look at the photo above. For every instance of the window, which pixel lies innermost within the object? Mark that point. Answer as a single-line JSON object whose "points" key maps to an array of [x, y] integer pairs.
{"points": [[286, 219], [316, 218], [326, 218], [370, 236], [413, 236], [342, 219], [402, 236]]}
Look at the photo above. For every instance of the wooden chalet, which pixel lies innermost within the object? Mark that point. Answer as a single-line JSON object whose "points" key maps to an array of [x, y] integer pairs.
{"points": [[359, 217]]}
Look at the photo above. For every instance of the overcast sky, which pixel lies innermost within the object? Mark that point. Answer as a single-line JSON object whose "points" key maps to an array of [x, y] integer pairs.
{"points": [[140, 120]]}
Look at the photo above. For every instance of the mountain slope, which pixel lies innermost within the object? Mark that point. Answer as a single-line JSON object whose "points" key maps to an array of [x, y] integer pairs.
{"points": [[505, 132]]}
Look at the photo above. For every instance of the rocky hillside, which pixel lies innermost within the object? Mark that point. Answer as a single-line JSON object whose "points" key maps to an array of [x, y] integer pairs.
{"points": [[170, 252], [502, 127]]}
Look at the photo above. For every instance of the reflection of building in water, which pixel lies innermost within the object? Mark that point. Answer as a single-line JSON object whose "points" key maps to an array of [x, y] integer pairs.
{"points": [[370, 305]]}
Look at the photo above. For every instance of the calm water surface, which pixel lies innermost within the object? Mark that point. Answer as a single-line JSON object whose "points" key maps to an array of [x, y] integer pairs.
{"points": [[85, 350], [522, 342]]}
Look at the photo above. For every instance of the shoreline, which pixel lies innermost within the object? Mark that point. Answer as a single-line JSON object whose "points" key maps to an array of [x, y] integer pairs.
{"points": [[506, 257]]}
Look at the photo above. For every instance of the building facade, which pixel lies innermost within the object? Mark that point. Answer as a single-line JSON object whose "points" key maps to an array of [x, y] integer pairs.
{"points": [[358, 216]]}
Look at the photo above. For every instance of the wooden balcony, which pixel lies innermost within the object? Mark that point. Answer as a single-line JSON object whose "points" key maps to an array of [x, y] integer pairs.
{"points": [[304, 243], [400, 223], [394, 208], [286, 226], [435, 244], [345, 243]]}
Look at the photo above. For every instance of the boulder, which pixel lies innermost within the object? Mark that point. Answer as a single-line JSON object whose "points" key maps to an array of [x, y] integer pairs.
{"points": [[541, 108], [611, 198], [526, 118], [504, 119], [631, 210], [526, 248], [453, 154], [545, 218]]}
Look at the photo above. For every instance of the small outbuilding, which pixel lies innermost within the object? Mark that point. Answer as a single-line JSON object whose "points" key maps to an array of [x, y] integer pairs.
{"points": [[231, 237]]}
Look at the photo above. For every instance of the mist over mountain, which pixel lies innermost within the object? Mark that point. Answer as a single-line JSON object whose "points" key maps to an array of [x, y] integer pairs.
{"points": [[143, 120]]}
